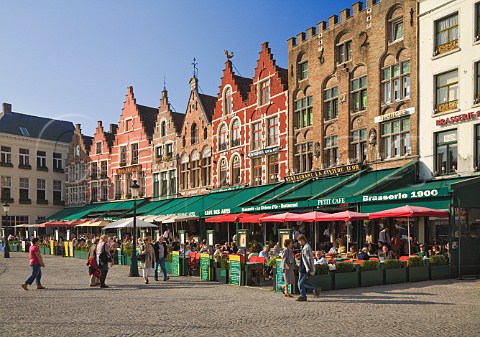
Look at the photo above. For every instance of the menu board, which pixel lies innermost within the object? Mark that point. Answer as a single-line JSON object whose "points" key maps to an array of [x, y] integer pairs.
{"points": [[235, 269], [204, 267], [176, 263]]}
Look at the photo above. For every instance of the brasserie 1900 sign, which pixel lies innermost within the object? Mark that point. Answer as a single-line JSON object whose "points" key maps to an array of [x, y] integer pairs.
{"points": [[345, 169]]}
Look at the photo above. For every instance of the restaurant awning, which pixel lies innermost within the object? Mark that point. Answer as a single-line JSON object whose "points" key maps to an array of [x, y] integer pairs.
{"points": [[283, 217], [94, 223], [72, 213], [227, 217]]}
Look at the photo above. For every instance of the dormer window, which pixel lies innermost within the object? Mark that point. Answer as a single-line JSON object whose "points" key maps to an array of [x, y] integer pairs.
{"points": [[194, 133], [227, 101], [128, 125], [163, 129], [264, 89], [98, 147]]}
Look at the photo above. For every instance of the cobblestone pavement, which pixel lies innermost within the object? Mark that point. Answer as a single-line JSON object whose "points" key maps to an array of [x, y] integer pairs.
{"points": [[187, 307]]}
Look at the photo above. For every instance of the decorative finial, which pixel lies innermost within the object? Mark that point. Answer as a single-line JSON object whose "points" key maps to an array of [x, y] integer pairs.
{"points": [[164, 84], [229, 56], [195, 69]]}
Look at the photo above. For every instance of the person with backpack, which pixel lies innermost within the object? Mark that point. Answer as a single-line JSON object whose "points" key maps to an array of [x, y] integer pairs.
{"points": [[161, 253], [103, 258]]}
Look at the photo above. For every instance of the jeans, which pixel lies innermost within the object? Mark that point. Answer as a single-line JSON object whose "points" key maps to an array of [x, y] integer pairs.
{"points": [[303, 286], [36, 275], [160, 262]]}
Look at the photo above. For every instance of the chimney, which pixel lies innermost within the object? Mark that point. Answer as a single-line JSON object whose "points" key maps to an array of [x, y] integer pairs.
{"points": [[78, 127], [113, 128], [6, 108], [99, 124]]}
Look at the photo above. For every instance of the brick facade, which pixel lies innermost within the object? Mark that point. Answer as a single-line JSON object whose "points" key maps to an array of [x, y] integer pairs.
{"points": [[352, 88]]}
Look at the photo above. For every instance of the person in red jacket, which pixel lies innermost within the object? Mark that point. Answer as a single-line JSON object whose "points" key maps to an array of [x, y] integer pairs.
{"points": [[36, 262]]}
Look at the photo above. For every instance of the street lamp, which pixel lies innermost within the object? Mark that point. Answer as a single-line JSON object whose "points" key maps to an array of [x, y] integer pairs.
{"points": [[6, 249], [135, 188]]}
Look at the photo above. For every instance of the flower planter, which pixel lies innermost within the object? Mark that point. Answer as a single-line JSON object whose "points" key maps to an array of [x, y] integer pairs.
{"points": [[325, 281], [371, 278], [45, 250], [397, 275], [416, 274], [168, 267], [346, 280], [441, 272], [221, 275], [14, 247]]}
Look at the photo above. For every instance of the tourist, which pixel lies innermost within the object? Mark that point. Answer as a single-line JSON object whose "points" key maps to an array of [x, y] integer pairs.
{"points": [[288, 265], [363, 255], [103, 258], [217, 251], [295, 233], [275, 250], [93, 270], [333, 250], [161, 253], [352, 254], [384, 236], [253, 251], [264, 252], [167, 235], [36, 263], [386, 253], [423, 252], [306, 268], [147, 250], [320, 257]]}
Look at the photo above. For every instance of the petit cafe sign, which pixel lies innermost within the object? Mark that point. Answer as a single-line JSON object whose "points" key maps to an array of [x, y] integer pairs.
{"points": [[458, 118], [324, 173]]}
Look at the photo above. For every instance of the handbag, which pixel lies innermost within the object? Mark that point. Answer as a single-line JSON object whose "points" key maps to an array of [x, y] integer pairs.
{"points": [[103, 257], [141, 257]]}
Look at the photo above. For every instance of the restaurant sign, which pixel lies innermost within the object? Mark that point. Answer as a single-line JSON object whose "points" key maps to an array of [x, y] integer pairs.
{"points": [[257, 208], [406, 195], [129, 169], [263, 152], [458, 118], [394, 114], [345, 169]]}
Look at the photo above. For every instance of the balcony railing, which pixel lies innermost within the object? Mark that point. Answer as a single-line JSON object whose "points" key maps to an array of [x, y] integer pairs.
{"points": [[6, 164]]}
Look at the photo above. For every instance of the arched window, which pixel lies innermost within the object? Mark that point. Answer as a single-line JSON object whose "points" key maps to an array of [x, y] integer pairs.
{"points": [[236, 171], [236, 133], [206, 165], [223, 172], [163, 129], [195, 169], [205, 133], [222, 138], [194, 133], [227, 101]]}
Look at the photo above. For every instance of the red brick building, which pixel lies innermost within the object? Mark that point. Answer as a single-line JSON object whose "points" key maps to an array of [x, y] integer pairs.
{"points": [[249, 126], [195, 144]]}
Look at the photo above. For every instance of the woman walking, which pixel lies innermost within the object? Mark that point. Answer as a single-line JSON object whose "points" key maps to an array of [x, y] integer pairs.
{"points": [[36, 262], [103, 257], [147, 250], [93, 270], [287, 265]]}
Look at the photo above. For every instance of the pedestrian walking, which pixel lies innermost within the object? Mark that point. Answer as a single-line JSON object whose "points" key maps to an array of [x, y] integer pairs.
{"points": [[287, 265], [148, 260], [36, 262], [305, 269], [161, 253], [103, 258], [93, 269]]}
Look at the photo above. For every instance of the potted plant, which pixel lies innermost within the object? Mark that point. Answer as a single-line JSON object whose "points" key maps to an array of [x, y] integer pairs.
{"points": [[417, 270], [394, 272], [323, 278], [370, 273], [345, 275], [221, 273], [438, 267]]}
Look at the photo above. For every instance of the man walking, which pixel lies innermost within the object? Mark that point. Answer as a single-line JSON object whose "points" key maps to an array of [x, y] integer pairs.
{"points": [[161, 253], [306, 268], [36, 262]]}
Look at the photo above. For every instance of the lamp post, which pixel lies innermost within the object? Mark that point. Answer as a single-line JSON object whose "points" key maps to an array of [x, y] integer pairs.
{"points": [[6, 249], [135, 188]]}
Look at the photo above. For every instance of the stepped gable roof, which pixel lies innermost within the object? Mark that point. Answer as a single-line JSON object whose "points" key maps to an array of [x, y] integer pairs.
{"points": [[208, 103], [243, 84], [87, 141], [20, 124], [149, 117]]}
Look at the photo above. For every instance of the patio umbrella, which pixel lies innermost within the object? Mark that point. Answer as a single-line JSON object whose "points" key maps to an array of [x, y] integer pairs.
{"points": [[343, 216], [408, 212], [227, 217], [308, 217], [282, 217], [55, 223], [253, 218], [128, 223]]}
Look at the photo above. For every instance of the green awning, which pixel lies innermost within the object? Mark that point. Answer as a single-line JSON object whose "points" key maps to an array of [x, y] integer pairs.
{"points": [[108, 206], [306, 191], [439, 203], [272, 194], [189, 206], [79, 215], [164, 209], [71, 211], [148, 207]]}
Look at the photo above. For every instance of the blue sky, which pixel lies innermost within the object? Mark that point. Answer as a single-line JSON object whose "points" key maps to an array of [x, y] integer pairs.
{"points": [[73, 60]]}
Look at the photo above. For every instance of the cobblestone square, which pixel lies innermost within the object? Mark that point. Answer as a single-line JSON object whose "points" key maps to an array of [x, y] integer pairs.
{"points": [[185, 306]]}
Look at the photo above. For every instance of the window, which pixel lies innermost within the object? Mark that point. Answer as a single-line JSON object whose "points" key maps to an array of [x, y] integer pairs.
{"points": [[303, 68], [184, 141], [236, 179], [446, 34], [163, 129], [164, 183], [41, 190], [446, 152], [396, 138], [173, 182], [331, 103], [6, 154], [24, 157], [273, 168], [41, 159], [344, 52], [24, 186], [129, 125], [303, 113], [477, 21], [256, 135], [396, 82], [57, 161], [273, 131], [94, 192], [194, 134], [222, 144], [94, 170], [103, 169], [205, 133], [223, 172], [257, 171], [331, 151], [264, 92], [236, 133], [57, 191], [123, 155], [159, 152], [6, 188], [447, 91], [477, 83], [169, 151], [118, 186], [156, 184], [98, 147], [397, 29], [105, 191], [184, 176], [477, 146], [227, 101], [207, 171], [134, 153], [303, 157], [359, 145], [196, 173], [359, 93]]}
